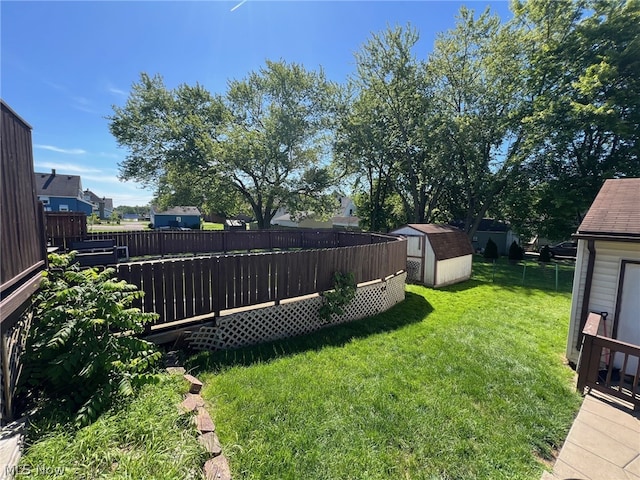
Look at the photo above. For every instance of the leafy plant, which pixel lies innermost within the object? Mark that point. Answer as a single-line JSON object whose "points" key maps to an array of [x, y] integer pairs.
{"points": [[343, 292], [516, 252], [491, 250], [81, 350], [545, 254]]}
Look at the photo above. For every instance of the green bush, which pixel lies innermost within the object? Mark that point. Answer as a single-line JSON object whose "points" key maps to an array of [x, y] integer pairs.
{"points": [[491, 250], [516, 252], [81, 351], [343, 292], [545, 254]]}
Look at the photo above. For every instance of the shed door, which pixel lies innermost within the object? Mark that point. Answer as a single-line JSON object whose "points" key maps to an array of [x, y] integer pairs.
{"points": [[414, 258], [628, 313]]}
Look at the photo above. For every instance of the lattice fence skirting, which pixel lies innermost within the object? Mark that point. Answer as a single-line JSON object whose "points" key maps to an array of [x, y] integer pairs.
{"points": [[413, 270], [294, 318]]}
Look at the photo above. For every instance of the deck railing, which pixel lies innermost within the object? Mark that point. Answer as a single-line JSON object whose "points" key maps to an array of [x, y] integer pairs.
{"points": [[597, 366]]}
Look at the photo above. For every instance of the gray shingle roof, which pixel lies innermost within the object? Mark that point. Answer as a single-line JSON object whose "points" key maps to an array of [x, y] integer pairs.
{"points": [[446, 241], [615, 210], [57, 185], [179, 211]]}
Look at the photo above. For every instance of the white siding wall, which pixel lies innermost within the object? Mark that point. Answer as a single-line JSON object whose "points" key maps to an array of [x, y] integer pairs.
{"points": [[414, 247], [604, 287], [453, 270], [429, 264]]}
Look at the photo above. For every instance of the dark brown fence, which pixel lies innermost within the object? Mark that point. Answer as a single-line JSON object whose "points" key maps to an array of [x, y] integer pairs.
{"points": [[179, 289], [598, 351], [22, 246], [65, 227], [21, 229], [197, 242]]}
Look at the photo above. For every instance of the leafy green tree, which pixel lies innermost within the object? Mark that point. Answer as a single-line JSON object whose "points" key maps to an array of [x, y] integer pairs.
{"points": [[81, 351], [387, 134], [476, 71], [584, 70], [275, 147], [263, 145]]}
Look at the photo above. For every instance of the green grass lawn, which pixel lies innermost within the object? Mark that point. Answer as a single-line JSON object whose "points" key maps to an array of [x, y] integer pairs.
{"points": [[463, 382], [212, 226]]}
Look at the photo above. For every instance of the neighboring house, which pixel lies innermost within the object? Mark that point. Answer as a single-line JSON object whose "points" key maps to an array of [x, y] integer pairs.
{"points": [[489, 228], [345, 218], [61, 193], [607, 275], [437, 255], [176, 217], [103, 207], [132, 217]]}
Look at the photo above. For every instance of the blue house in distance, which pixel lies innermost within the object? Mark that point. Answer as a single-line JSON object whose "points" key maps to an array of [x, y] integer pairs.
{"points": [[61, 193], [176, 217]]}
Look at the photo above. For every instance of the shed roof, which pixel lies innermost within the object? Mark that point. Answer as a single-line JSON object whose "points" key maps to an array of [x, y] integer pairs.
{"points": [[446, 241], [57, 185], [179, 211], [615, 212]]}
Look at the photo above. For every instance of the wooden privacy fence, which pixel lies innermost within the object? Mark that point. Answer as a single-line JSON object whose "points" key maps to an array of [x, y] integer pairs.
{"points": [[179, 289], [197, 242], [65, 227]]}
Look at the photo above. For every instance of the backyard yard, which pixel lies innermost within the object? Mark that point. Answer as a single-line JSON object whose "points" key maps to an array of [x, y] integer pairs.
{"points": [[463, 382]]}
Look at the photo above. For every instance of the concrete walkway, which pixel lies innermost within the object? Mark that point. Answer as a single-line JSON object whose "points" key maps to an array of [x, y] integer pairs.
{"points": [[603, 443]]}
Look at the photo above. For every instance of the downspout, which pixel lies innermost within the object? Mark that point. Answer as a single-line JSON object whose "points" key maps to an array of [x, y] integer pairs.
{"points": [[591, 247]]}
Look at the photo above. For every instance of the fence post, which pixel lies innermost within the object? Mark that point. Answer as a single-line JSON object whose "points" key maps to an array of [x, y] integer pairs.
{"points": [[524, 271], [556, 276]]}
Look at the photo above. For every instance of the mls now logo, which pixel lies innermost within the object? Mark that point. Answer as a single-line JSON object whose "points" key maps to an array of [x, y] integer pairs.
{"points": [[10, 471]]}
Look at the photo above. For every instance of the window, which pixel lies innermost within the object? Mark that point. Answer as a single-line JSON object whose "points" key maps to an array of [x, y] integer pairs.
{"points": [[63, 208], [178, 219]]}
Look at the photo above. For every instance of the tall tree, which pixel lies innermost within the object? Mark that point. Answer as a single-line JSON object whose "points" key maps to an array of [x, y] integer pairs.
{"points": [[387, 134], [585, 68], [263, 143], [476, 70]]}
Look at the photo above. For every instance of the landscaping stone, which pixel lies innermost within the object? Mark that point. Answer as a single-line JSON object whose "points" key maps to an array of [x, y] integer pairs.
{"points": [[191, 402], [204, 422], [211, 443], [196, 385], [172, 359], [217, 469], [176, 370]]}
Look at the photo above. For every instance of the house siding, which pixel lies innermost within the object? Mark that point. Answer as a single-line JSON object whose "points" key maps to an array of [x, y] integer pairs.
{"points": [[604, 287], [74, 205]]}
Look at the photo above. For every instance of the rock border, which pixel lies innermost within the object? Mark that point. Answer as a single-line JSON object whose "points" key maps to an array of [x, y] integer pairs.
{"points": [[217, 466]]}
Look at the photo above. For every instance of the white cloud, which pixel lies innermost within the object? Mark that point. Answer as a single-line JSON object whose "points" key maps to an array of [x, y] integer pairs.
{"points": [[68, 151], [117, 91], [69, 168]]}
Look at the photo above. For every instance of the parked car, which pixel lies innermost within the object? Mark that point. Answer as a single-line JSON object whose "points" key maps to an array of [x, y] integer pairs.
{"points": [[564, 249]]}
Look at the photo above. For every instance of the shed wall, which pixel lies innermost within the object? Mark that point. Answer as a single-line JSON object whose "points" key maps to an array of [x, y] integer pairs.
{"points": [[453, 270], [604, 287], [429, 264]]}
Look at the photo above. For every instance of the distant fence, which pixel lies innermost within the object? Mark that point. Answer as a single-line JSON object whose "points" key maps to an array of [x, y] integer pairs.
{"points": [[65, 227], [179, 289], [197, 241]]}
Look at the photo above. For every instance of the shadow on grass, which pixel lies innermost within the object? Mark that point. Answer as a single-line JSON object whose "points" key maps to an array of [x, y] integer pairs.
{"points": [[414, 309]]}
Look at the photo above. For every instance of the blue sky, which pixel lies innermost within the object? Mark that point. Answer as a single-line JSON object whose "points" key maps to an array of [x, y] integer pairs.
{"points": [[64, 64]]}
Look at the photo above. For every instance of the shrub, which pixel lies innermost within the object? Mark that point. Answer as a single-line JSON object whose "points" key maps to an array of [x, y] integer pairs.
{"points": [[545, 254], [343, 292], [491, 250], [81, 353], [516, 252]]}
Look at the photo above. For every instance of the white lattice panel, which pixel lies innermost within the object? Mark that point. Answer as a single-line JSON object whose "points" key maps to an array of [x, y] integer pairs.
{"points": [[413, 270], [295, 318], [395, 290]]}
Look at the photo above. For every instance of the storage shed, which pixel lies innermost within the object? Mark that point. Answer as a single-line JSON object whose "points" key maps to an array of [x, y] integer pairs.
{"points": [[437, 255], [176, 217], [607, 275]]}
